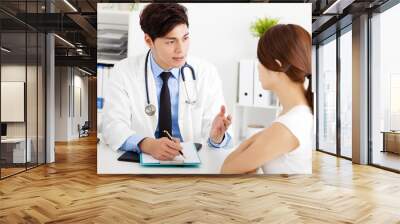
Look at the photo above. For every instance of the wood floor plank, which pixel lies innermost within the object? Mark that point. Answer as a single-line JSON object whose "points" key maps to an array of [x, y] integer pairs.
{"points": [[70, 191]]}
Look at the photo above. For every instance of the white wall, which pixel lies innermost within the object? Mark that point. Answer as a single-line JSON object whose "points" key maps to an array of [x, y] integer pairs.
{"points": [[68, 81], [220, 33], [14, 72], [81, 83], [61, 103], [13, 95]]}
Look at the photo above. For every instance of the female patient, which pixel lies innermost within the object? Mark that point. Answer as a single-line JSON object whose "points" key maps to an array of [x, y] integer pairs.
{"points": [[284, 53]]}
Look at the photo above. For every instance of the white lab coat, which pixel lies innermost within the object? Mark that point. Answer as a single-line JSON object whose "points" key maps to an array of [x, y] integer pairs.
{"points": [[124, 105]]}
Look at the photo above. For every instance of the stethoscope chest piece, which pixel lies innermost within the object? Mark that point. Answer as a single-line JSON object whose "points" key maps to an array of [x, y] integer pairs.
{"points": [[150, 109]]}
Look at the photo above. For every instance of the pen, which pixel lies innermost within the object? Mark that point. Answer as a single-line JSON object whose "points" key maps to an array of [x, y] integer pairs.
{"points": [[170, 138]]}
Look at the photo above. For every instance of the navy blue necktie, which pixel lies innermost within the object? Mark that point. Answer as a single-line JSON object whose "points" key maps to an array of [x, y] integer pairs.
{"points": [[164, 116]]}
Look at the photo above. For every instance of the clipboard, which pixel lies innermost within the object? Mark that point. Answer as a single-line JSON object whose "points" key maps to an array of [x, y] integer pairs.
{"points": [[131, 156], [190, 150]]}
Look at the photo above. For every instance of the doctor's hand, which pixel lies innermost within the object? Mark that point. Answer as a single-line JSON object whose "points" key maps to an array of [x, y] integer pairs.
{"points": [[162, 148], [219, 126]]}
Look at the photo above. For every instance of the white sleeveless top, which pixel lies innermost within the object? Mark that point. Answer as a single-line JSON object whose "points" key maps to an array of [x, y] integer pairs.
{"points": [[299, 120]]}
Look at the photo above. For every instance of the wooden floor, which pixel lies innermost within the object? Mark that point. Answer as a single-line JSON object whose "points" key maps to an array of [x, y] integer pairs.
{"points": [[10, 171], [70, 191], [5, 172]]}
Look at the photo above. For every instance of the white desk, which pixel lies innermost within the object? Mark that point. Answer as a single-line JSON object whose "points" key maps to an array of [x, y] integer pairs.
{"points": [[211, 162], [19, 149]]}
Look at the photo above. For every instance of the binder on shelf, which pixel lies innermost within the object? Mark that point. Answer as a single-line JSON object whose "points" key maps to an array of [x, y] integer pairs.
{"points": [[246, 76]]}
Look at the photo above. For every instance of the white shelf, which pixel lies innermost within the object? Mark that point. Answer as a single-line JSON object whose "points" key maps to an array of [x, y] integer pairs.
{"points": [[262, 107], [107, 61], [246, 115]]}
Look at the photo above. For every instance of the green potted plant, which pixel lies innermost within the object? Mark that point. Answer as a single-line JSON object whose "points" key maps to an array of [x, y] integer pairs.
{"points": [[261, 25]]}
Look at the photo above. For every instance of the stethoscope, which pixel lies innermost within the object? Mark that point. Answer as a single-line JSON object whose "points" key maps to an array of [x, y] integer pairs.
{"points": [[150, 109]]}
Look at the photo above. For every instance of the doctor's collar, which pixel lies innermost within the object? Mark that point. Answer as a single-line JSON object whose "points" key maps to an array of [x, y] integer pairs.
{"points": [[157, 70]]}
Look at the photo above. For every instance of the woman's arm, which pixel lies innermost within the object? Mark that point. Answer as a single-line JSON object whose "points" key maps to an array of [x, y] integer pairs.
{"points": [[244, 145], [266, 146]]}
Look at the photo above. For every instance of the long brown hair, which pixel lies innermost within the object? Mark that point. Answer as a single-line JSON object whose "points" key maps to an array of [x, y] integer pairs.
{"points": [[291, 45]]}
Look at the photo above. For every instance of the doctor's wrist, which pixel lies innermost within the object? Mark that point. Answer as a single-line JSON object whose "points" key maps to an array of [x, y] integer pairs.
{"points": [[217, 140], [145, 145]]}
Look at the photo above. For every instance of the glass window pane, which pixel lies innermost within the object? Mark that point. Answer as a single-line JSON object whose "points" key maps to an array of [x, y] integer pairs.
{"points": [[346, 94], [41, 98], [23, 85], [13, 87], [385, 86], [31, 101], [327, 96]]}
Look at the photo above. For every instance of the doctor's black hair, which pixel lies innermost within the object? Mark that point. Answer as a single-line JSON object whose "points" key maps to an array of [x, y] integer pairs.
{"points": [[158, 19]]}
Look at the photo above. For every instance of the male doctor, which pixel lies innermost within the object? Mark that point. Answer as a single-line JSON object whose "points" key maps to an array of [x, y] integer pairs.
{"points": [[149, 95]]}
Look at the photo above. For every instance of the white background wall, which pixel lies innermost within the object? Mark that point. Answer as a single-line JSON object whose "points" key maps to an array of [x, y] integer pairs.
{"points": [[220, 34]]}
